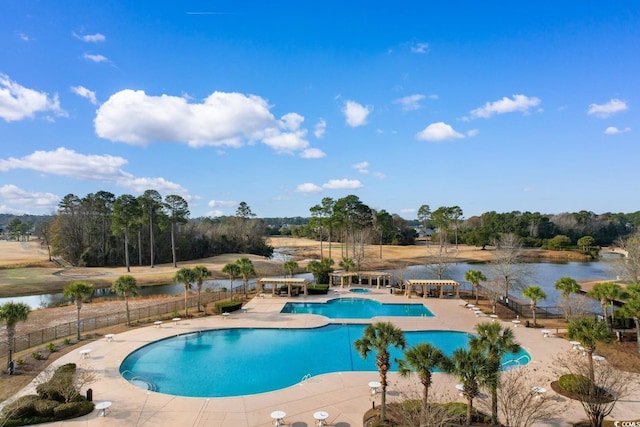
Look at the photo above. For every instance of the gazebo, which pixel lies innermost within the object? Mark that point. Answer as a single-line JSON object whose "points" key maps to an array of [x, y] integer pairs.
{"points": [[369, 275], [277, 281], [437, 285]]}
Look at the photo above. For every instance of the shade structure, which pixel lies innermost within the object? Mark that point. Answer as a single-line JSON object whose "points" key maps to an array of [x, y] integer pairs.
{"points": [[349, 277], [428, 284], [277, 281]]}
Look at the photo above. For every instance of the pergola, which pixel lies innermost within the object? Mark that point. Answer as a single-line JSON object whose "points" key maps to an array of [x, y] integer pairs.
{"points": [[277, 281], [435, 284], [370, 275]]}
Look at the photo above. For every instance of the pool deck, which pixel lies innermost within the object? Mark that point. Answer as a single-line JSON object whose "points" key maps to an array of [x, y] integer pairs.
{"points": [[344, 396]]}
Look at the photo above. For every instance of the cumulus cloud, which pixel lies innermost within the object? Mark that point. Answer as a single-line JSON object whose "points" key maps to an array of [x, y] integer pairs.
{"points": [[95, 58], [520, 103], [342, 184], [312, 153], [90, 38], [362, 167], [420, 48], [85, 93], [607, 109], [320, 128], [612, 130], [104, 168], [221, 120], [308, 187], [438, 132], [12, 195], [356, 114], [410, 103], [222, 203], [18, 102]]}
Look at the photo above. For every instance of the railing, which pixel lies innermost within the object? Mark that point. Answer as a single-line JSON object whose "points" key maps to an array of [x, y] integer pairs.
{"points": [[64, 330]]}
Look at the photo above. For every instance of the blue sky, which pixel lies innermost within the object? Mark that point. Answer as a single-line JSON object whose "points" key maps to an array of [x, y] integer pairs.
{"points": [[494, 105]]}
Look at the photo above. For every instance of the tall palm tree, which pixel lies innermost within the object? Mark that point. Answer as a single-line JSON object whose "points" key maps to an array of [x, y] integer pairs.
{"points": [[201, 273], [475, 277], [186, 276], [495, 341], [11, 313], [631, 308], [289, 267], [567, 286], [347, 265], [535, 294], [246, 270], [377, 338], [607, 293], [589, 332], [78, 292], [473, 368], [423, 359], [126, 286], [232, 269]]}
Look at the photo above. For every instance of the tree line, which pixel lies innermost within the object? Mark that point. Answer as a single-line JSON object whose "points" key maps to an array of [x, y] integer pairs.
{"points": [[101, 229]]}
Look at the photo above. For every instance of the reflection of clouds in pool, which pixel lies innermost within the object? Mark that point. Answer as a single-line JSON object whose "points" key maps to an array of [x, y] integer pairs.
{"points": [[234, 362]]}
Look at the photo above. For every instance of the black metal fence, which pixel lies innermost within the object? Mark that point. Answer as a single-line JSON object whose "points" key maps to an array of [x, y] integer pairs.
{"points": [[69, 329]]}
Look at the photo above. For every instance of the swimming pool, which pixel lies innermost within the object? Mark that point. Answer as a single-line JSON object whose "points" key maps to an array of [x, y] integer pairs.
{"points": [[355, 308], [359, 290], [235, 362]]}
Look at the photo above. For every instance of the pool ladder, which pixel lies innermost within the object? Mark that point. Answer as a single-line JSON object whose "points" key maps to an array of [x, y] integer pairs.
{"points": [[305, 378], [515, 363]]}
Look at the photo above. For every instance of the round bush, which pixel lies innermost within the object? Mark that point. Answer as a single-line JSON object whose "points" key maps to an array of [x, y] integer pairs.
{"points": [[574, 383]]}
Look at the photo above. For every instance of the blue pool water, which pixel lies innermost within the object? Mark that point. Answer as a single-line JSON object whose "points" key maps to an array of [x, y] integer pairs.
{"points": [[234, 362], [359, 290], [355, 308]]}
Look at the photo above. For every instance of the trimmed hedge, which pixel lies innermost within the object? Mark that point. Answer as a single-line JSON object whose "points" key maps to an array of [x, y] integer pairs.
{"points": [[228, 306], [574, 383], [318, 289]]}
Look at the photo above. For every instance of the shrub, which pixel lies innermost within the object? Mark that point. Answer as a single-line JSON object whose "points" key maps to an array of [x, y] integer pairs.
{"points": [[37, 355], [228, 306], [67, 341], [24, 407], [318, 289], [51, 347], [574, 383], [73, 409], [60, 387]]}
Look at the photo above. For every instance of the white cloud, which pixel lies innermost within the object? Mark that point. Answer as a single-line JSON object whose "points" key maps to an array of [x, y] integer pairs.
{"points": [[342, 184], [222, 119], [362, 167], [24, 37], [320, 128], [18, 102], [434, 96], [15, 196], [104, 168], [472, 132], [612, 130], [356, 114], [90, 38], [222, 203], [379, 175], [438, 132], [605, 110], [85, 93], [506, 105], [95, 58], [408, 210], [410, 103], [420, 48], [215, 213], [308, 187], [312, 153]]}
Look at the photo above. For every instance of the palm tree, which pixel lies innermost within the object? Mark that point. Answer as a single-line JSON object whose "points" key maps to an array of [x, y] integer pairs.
{"points": [[321, 270], [475, 277], [347, 265], [535, 294], [186, 276], [567, 286], [377, 338], [78, 292], [423, 358], [201, 273], [232, 269], [495, 341], [12, 313], [289, 267], [589, 332], [631, 308], [246, 270], [607, 293], [126, 286], [473, 368]]}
